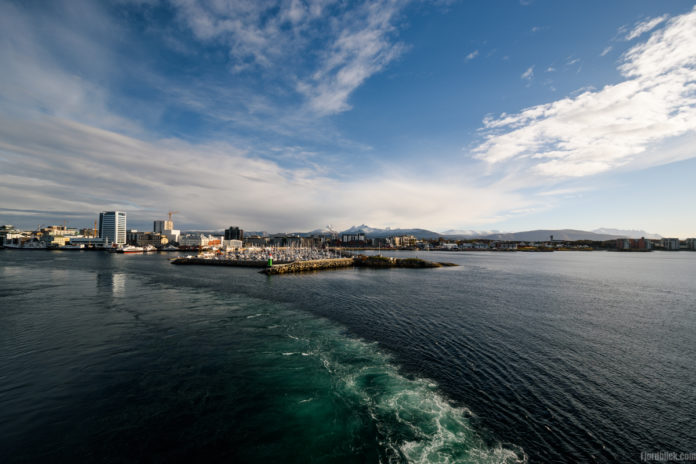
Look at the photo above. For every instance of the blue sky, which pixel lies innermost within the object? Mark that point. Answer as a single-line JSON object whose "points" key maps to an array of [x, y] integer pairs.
{"points": [[290, 115]]}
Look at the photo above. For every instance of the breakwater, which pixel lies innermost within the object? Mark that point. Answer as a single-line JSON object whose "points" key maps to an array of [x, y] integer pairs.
{"points": [[374, 262], [311, 265], [377, 262], [287, 267], [220, 262]]}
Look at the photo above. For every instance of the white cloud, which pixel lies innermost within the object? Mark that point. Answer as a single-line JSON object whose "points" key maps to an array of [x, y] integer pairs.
{"points": [[622, 124], [528, 74], [63, 148], [80, 170], [472, 55], [34, 79], [645, 26], [606, 50], [276, 36]]}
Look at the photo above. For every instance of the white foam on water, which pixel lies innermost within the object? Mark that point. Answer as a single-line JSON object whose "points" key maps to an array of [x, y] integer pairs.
{"points": [[415, 422]]}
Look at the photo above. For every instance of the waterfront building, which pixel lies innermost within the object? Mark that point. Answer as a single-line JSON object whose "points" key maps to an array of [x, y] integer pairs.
{"points": [[8, 233], [112, 226], [167, 230], [286, 241], [199, 241], [88, 232], [234, 233], [670, 243], [55, 240], [354, 238], [405, 241], [159, 227], [146, 238], [57, 231], [257, 241], [691, 243], [383, 242], [89, 242], [635, 244], [172, 234], [229, 245]]}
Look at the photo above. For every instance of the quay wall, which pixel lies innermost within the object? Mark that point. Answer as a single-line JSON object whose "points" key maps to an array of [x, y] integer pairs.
{"points": [[311, 265]]}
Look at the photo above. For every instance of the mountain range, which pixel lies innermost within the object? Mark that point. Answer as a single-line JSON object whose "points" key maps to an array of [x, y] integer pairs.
{"points": [[531, 235], [452, 234]]}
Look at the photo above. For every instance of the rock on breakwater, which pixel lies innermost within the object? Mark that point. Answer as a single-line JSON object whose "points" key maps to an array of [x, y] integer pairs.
{"points": [[386, 262], [219, 262], [311, 265], [375, 262]]}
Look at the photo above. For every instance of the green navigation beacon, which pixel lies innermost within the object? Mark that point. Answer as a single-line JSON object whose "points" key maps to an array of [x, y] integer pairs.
{"points": [[270, 260]]}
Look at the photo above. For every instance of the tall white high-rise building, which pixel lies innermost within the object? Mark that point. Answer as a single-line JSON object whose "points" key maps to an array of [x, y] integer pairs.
{"points": [[112, 226]]}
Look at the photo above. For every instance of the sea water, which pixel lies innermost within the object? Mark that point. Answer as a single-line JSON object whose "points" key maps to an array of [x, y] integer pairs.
{"points": [[506, 358]]}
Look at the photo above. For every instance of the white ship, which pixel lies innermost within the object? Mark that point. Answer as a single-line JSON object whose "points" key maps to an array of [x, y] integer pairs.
{"points": [[131, 249]]}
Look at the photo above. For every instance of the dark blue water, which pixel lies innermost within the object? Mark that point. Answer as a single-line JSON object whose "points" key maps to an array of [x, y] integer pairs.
{"points": [[550, 357]]}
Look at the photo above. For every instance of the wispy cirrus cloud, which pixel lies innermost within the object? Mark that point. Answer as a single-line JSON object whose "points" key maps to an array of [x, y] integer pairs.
{"points": [[528, 74], [283, 39], [471, 55], [645, 26], [63, 144], [599, 130]]}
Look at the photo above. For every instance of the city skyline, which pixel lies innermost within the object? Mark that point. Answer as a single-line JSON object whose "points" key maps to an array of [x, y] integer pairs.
{"points": [[293, 115]]}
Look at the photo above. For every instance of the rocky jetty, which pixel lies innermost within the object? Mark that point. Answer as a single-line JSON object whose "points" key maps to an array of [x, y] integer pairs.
{"points": [[219, 262], [311, 265], [374, 262], [387, 262]]}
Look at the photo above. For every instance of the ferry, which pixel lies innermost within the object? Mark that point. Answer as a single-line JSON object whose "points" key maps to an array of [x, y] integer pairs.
{"points": [[129, 249]]}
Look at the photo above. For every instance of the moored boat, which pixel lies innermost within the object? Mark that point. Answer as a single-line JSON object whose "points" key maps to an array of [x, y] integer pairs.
{"points": [[129, 249], [72, 246]]}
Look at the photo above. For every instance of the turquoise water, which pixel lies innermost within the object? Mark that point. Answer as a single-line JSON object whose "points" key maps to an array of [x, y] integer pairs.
{"points": [[110, 359]]}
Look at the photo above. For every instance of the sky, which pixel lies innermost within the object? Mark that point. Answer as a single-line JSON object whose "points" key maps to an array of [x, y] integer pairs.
{"points": [[292, 115]]}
